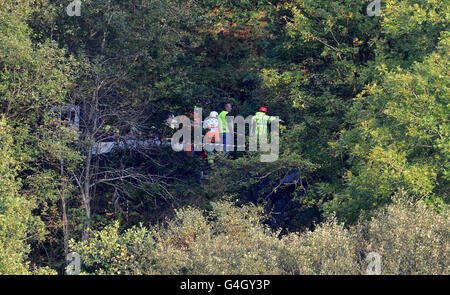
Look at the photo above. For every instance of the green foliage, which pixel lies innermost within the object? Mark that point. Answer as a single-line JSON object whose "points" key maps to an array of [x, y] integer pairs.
{"points": [[365, 105], [232, 240], [17, 224], [411, 31], [329, 250], [108, 252], [406, 146], [35, 76], [410, 237]]}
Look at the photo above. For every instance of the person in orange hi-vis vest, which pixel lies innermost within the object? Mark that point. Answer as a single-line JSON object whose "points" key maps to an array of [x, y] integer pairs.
{"points": [[212, 135]]}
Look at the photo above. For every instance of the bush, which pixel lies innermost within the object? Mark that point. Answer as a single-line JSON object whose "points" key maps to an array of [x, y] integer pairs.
{"points": [[228, 240], [109, 252], [330, 249], [410, 237]]}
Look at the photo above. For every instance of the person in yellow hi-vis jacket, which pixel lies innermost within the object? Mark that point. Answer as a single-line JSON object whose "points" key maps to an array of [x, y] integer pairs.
{"points": [[262, 121], [224, 130]]}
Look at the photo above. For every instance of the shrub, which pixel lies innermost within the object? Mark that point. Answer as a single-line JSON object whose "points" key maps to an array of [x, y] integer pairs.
{"points": [[330, 249], [109, 252], [410, 237]]}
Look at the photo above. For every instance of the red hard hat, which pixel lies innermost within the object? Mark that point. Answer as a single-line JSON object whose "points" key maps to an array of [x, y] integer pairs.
{"points": [[263, 109]]}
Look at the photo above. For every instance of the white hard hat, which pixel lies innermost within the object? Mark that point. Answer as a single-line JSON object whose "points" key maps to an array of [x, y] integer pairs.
{"points": [[213, 114]]}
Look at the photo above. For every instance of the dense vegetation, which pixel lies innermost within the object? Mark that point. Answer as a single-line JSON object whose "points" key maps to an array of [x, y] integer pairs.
{"points": [[232, 240], [364, 143]]}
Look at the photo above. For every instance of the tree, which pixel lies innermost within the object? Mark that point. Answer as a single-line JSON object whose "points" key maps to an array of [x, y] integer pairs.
{"points": [[34, 77], [17, 224], [402, 139]]}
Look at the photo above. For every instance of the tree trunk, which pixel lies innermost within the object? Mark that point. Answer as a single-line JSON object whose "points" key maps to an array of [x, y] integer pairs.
{"points": [[87, 222], [87, 198], [64, 212], [65, 226]]}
